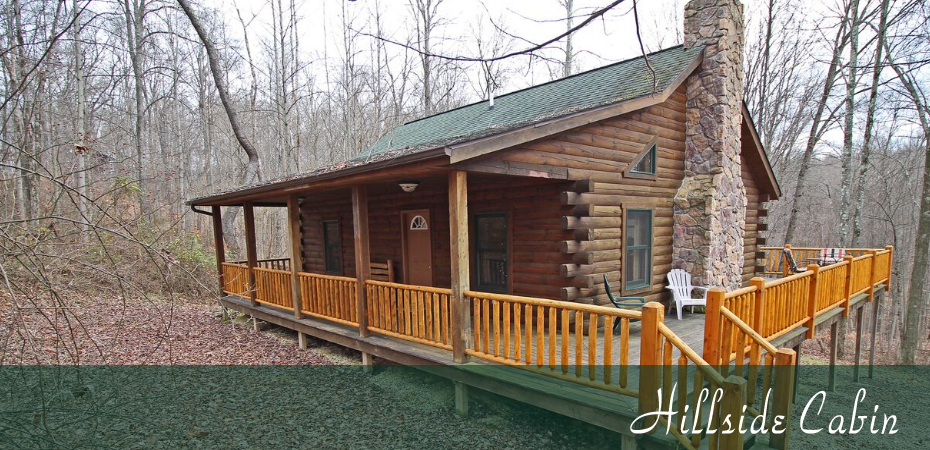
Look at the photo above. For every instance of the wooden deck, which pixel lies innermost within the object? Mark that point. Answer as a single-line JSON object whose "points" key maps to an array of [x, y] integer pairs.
{"points": [[604, 408], [568, 357]]}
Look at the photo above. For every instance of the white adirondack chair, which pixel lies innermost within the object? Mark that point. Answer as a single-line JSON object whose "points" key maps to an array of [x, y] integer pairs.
{"points": [[679, 282]]}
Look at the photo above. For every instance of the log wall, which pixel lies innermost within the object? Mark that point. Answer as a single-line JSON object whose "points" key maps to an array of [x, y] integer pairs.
{"points": [[534, 211]]}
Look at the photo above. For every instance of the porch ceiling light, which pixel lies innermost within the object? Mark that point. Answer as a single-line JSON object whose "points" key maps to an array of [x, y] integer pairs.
{"points": [[409, 186]]}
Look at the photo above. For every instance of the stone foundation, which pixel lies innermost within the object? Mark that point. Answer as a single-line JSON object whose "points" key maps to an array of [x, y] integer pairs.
{"points": [[710, 206]]}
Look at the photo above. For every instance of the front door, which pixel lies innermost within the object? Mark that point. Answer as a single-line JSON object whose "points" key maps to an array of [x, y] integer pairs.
{"points": [[418, 253]]}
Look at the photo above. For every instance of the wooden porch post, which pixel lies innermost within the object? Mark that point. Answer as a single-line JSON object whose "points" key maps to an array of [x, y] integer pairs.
{"points": [[711, 352], [783, 393], [250, 248], [650, 359], [362, 257], [458, 246], [220, 247], [293, 226]]}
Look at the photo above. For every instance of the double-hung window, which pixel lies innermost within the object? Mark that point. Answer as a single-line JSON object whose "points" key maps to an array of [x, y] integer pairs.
{"points": [[637, 258]]}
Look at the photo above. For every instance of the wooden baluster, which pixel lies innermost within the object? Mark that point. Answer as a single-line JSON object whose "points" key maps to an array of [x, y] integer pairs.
{"points": [[517, 332], [624, 350], [552, 335], [683, 389], [497, 327], [507, 307], [579, 341], [564, 342], [696, 407], [592, 346], [812, 299], [528, 330], [608, 348], [540, 335], [476, 305], [486, 313], [667, 374]]}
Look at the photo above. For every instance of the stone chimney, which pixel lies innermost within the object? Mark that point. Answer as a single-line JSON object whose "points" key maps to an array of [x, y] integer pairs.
{"points": [[710, 206]]}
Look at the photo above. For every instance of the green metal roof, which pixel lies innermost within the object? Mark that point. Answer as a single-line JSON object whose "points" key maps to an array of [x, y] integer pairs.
{"points": [[606, 85]]}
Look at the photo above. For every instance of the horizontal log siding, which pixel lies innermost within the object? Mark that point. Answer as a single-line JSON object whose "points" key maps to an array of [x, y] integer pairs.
{"points": [[600, 152], [753, 239], [532, 205]]}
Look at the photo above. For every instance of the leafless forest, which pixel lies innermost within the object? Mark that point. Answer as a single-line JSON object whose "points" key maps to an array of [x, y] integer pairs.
{"points": [[112, 118]]}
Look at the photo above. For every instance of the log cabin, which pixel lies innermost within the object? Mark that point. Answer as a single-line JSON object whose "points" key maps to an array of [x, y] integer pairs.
{"points": [[486, 234]]}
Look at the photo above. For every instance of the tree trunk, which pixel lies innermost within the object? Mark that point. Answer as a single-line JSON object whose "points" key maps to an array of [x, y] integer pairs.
{"points": [[869, 125], [818, 126], [851, 82], [910, 334]]}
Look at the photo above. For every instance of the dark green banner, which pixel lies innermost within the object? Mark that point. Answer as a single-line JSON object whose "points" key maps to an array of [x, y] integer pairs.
{"points": [[244, 407]]}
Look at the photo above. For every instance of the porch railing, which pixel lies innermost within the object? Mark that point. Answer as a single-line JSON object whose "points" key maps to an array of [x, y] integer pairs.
{"points": [[564, 340], [236, 279], [268, 263], [581, 344], [415, 313], [328, 297], [273, 287]]}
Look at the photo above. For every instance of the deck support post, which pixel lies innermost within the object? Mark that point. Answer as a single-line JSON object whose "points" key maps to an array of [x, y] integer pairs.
{"points": [[220, 247], [796, 373], [461, 398], [367, 363], [251, 251], [874, 326], [858, 354], [301, 340], [734, 397], [650, 359], [783, 392], [293, 226], [362, 257], [831, 386], [628, 442], [458, 246]]}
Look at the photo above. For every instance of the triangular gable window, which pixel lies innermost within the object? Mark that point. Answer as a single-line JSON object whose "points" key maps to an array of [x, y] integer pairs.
{"points": [[644, 165]]}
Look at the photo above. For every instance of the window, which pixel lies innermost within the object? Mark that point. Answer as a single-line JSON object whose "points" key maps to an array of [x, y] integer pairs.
{"points": [[644, 164], [491, 251], [332, 247], [637, 264], [648, 163]]}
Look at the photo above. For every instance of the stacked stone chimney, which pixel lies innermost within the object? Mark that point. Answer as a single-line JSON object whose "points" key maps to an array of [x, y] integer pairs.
{"points": [[710, 206]]}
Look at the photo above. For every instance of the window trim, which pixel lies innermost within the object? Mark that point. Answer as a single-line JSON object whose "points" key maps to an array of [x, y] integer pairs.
{"points": [[625, 290], [338, 246], [630, 172], [508, 251]]}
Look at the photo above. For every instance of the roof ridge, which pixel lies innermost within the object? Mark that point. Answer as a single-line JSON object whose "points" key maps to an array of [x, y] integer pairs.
{"points": [[574, 75]]}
